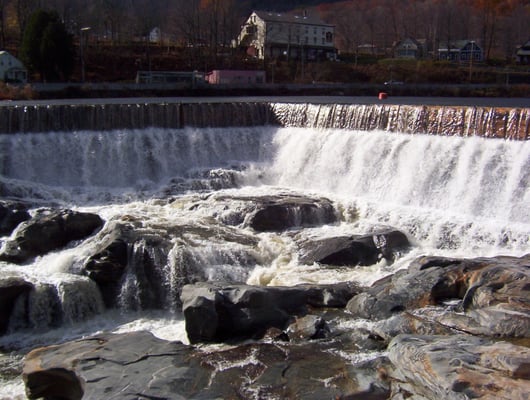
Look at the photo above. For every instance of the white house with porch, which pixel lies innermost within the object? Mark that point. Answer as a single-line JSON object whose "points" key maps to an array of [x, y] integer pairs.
{"points": [[11, 69]]}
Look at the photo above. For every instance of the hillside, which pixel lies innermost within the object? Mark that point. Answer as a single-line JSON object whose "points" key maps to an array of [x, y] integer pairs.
{"points": [[283, 5]]}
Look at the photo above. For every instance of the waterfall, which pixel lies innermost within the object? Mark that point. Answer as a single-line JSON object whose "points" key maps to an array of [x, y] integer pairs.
{"points": [[56, 300], [454, 179], [117, 159], [506, 123], [472, 176], [448, 192]]}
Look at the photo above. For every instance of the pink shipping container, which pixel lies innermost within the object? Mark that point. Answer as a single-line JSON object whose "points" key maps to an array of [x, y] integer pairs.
{"points": [[235, 77]]}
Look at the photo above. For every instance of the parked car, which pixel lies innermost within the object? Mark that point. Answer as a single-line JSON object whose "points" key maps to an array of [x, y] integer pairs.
{"points": [[389, 83]]}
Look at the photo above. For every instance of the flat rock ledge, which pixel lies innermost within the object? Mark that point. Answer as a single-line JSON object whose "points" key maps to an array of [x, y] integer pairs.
{"points": [[489, 296], [457, 368], [137, 365]]}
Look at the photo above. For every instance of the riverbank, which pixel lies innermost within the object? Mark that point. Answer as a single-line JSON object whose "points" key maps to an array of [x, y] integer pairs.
{"points": [[46, 91]]}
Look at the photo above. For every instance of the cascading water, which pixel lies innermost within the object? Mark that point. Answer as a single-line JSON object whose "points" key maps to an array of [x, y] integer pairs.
{"points": [[123, 158], [476, 188], [183, 192]]}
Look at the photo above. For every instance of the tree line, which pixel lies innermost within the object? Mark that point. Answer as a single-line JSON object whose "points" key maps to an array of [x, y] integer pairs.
{"points": [[498, 25], [209, 27]]}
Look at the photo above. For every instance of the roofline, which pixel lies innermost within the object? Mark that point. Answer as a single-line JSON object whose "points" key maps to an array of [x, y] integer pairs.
{"points": [[293, 21]]}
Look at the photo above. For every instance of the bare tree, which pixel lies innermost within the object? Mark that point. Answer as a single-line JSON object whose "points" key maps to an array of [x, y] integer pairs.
{"points": [[3, 16]]}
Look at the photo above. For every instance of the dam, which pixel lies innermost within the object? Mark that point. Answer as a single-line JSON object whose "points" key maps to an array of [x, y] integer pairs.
{"points": [[246, 194], [487, 121]]}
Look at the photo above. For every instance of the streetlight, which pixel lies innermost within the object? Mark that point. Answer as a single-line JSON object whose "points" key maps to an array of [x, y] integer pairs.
{"points": [[81, 45]]}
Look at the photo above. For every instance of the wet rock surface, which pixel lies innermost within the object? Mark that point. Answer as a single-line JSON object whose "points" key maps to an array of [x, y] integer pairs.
{"points": [[47, 231], [309, 352], [283, 214], [486, 290], [299, 342], [138, 365], [354, 250], [11, 215], [10, 289], [129, 247], [271, 213], [458, 367], [217, 313]]}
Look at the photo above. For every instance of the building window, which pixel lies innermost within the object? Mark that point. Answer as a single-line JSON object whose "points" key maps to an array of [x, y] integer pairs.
{"points": [[329, 37]]}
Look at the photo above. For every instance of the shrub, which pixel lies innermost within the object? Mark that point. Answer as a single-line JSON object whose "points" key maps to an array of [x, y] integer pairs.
{"points": [[11, 92]]}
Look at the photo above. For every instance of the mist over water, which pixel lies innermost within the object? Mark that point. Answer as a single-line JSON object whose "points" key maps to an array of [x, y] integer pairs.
{"points": [[453, 196]]}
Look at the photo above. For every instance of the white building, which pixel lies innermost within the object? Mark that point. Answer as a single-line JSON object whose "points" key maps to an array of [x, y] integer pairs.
{"points": [[11, 69], [155, 36], [287, 35]]}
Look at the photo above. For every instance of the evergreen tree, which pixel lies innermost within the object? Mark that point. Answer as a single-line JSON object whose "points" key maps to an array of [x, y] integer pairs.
{"points": [[47, 48]]}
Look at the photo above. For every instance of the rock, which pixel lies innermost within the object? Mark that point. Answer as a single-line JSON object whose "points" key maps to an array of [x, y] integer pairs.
{"points": [[458, 367], [496, 303], [49, 231], [216, 313], [113, 366], [107, 266], [283, 213], [138, 365], [10, 289], [493, 294], [268, 213], [11, 215], [160, 261], [308, 327], [419, 322], [353, 250]]}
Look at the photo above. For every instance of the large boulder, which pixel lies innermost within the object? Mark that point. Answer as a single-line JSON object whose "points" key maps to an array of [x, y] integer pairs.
{"points": [[458, 367], [268, 213], [291, 212], [10, 290], [216, 313], [353, 250], [49, 231], [138, 365]]}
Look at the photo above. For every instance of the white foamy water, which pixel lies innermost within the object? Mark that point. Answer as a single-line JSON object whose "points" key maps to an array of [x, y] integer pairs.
{"points": [[464, 197]]}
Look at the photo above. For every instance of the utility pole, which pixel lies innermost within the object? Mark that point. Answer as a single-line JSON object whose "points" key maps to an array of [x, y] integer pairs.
{"points": [[471, 61], [82, 32]]}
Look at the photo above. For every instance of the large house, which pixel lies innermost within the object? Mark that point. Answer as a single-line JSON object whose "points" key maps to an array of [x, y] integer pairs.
{"points": [[270, 35], [11, 69], [461, 51]]}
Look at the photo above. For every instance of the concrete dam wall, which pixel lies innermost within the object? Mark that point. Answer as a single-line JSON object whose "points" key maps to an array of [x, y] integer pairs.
{"points": [[490, 122]]}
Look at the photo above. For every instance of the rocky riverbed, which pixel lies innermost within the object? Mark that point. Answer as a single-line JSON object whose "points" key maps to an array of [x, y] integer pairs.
{"points": [[451, 328]]}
